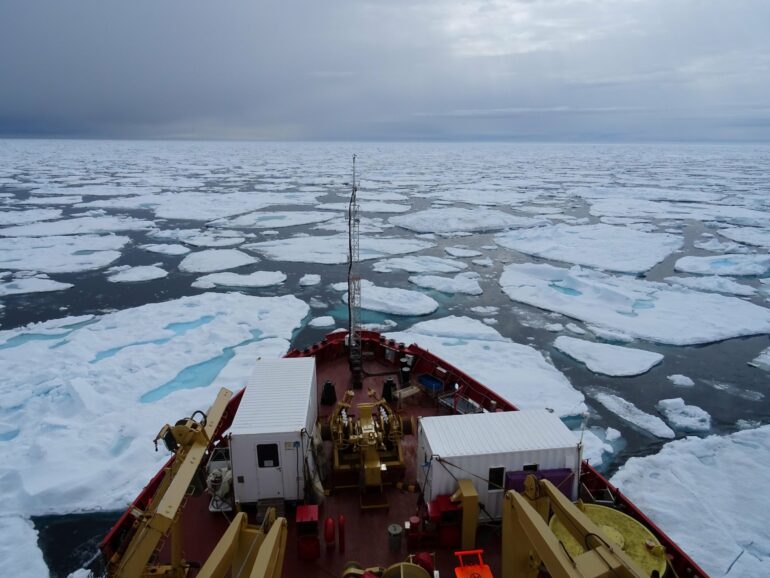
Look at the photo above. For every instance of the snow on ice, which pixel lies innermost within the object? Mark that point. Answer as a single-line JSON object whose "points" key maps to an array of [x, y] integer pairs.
{"points": [[128, 274], [680, 380], [717, 485], [420, 264], [60, 254], [713, 284], [78, 226], [748, 235], [394, 300], [166, 249], [461, 252], [607, 359], [518, 373], [273, 219], [324, 321], [643, 309], [684, 417], [309, 280], [601, 246], [39, 283], [26, 217]]}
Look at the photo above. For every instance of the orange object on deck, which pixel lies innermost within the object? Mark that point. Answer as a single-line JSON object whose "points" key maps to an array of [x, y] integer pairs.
{"points": [[473, 570]]}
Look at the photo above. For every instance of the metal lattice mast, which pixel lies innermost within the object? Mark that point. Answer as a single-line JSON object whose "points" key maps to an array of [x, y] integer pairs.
{"points": [[354, 287]]}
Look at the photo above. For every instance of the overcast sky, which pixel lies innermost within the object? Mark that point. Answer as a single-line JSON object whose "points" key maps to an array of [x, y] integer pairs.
{"points": [[390, 69]]}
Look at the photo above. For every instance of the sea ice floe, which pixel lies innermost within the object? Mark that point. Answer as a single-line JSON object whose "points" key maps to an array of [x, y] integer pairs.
{"points": [[63, 200], [394, 301], [128, 274], [747, 235], [714, 245], [597, 444], [309, 280], [576, 329], [607, 359], [454, 219], [368, 207], [461, 252], [166, 248], [680, 380], [762, 361], [518, 373], [30, 216], [419, 264], [630, 207], [647, 193], [88, 395], [554, 327], [38, 283], [273, 219], [78, 226], [101, 190], [333, 249], [256, 279], [467, 283], [601, 246], [643, 309], [714, 284], [325, 321], [215, 260], [485, 309], [60, 254], [712, 505], [628, 412], [727, 264], [683, 417], [18, 548], [483, 262], [197, 238]]}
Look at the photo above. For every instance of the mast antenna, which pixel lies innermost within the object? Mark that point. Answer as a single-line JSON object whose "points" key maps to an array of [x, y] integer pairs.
{"points": [[355, 356]]}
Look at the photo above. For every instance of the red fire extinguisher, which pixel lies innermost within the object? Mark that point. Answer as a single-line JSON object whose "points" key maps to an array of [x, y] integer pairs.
{"points": [[341, 531], [329, 533]]}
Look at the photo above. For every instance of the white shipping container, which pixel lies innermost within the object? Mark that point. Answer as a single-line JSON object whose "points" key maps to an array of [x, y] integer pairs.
{"points": [[271, 430], [483, 447]]}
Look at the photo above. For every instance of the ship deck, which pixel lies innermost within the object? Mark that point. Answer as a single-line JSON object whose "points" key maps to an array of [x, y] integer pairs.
{"points": [[366, 529]]}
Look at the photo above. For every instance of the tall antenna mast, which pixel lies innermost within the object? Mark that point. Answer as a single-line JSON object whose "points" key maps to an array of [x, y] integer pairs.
{"points": [[355, 357]]}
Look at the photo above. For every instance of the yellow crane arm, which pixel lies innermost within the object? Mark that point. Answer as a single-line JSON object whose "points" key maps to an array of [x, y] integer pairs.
{"points": [[528, 542]]}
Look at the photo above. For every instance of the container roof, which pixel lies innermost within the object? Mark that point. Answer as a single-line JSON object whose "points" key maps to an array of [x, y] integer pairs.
{"points": [[496, 433], [277, 397]]}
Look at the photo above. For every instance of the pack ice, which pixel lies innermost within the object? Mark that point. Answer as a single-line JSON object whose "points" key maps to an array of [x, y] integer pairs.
{"points": [[708, 494], [601, 246], [454, 219], [332, 249], [643, 309]]}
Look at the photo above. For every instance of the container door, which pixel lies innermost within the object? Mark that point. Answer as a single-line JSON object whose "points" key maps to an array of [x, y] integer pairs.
{"points": [[269, 471]]}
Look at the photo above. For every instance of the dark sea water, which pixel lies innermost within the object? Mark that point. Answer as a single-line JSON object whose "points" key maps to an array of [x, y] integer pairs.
{"points": [[507, 177]]}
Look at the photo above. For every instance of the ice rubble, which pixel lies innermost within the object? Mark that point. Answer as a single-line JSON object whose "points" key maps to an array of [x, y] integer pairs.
{"points": [[516, 372], [273, 219], [453, 219], [78, 226], [680, 380], [467, 283], [30, 216], [727, 264], [136, 274], [333, 249], [627, 411], [713, 503], [256, 279], [601, 246], [643, 309], [60, 254], [714, 284], [87, 394], [420, 264], [684, 417], [309, 279], [30, 284], [607, 359], [393, 300], [215, 260]]}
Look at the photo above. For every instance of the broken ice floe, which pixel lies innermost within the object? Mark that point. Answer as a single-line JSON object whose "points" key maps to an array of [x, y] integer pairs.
{"points": [[166, 249], [683, 417], [461, 252], [394, 300], [748, 235], [727, 264], [713, 284], [467, 283], [333, 249], [453, 220], [30, 216], [309, 279], [128, 274], [607, 359], [254, 280], [78, 226], [37, 283], [420, 264], [60, 254], [215, 260], [680, 380], [716, 484], [600, 246], [273, 219], [642, 309], [518, 373], [628, 412], [599, 444], [325, 321]]}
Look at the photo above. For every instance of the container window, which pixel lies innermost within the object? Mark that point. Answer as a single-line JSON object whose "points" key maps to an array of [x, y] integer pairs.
{"points": [[495, 479], [267, 455], [530, 468]]}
